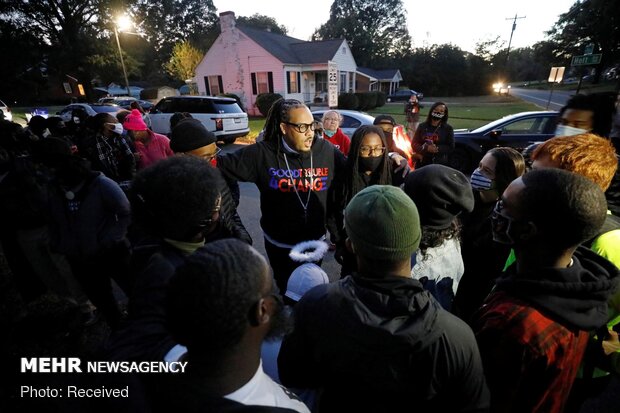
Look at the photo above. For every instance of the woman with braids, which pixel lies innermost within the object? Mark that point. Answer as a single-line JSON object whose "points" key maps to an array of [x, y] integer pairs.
{"points": [[368, 164], [484, 258], [294, 173]]}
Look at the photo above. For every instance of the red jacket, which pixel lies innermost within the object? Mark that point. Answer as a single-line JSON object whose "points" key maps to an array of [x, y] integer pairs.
{"points": [[340, 141]]}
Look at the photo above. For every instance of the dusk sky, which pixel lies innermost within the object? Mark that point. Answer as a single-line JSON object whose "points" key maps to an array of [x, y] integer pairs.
{"points": [[462, 23]]}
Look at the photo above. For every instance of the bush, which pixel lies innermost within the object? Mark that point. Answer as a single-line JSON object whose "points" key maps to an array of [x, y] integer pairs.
{"points": [[381, 96], [265, 101], [362, 101], [232, 95], [347, 101]]}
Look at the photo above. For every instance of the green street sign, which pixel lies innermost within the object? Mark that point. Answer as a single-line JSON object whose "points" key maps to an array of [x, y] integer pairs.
{"points": [[586, 60]]}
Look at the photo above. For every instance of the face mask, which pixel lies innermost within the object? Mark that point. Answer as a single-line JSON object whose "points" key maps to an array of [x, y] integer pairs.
{"points": [[76, 120], [500, 228], [118, 129], [437, 115], [503, 227], [46, 133], [370, 164], [565, 130], [329, 133], [480, 182]]}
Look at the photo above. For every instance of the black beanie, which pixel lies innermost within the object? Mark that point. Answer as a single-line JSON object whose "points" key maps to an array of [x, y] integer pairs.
{"points": [[190, 134], [440, 193], [384, 119]]}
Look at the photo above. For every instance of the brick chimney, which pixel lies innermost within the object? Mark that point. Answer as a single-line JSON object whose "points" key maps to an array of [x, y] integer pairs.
{"points": [[227, 21]]}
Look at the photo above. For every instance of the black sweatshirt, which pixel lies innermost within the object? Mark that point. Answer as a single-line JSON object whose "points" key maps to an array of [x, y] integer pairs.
{"points": [[282, 208]]}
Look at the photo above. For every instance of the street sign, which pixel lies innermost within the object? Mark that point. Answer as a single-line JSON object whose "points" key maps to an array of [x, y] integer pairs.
{"points": [[556, 74], [586, 60], [332, 84]]}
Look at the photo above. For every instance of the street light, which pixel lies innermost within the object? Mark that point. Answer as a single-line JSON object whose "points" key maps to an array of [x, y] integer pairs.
{"points": [[121, 23]]}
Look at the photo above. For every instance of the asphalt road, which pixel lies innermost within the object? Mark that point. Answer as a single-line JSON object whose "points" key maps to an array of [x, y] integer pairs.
{"points": [[541, 97], [249, 211]]}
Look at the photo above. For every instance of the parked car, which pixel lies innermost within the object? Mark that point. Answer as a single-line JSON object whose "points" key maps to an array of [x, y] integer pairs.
{"points": [[222, 116], [6, 111], [91, 109], [516, 131], [403, 95], [351, 119], [115, 99], [126, 104]]}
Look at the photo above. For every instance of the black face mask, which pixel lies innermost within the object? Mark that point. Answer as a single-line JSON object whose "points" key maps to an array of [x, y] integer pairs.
{"points": [[369, 164]]}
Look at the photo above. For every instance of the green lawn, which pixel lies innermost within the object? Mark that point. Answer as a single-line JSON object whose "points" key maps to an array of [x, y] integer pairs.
{"points": [[465, 113]]}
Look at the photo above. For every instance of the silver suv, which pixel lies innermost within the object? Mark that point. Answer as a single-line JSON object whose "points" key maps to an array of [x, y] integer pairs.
{"points": [[222, 116]]}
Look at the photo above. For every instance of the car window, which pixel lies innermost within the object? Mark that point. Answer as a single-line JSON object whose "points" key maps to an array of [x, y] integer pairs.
{"points": [[350, 122], [105, 109], [525, 126], [218, 106]]}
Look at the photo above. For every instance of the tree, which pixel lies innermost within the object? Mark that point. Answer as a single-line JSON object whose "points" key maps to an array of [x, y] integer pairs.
{"points": [[65, 29], [263, 22], [589, 21], [168, 22], [376, 30], [183, 62]]}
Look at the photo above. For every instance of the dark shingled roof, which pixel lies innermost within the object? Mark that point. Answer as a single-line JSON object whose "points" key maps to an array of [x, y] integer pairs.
{"points": [[291, 50], [385, 74]]}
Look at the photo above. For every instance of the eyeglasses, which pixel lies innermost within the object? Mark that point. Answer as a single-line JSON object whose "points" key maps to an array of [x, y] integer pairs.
{"points": [[210, 156], [369, 151], [215, 215], [302, 127]]}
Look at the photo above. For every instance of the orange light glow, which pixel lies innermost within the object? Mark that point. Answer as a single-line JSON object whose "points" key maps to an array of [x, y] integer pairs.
{"points": [[402, 142]]}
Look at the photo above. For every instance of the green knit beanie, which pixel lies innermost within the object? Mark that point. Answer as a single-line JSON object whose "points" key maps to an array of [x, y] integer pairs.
{"points": [[383, 223]]}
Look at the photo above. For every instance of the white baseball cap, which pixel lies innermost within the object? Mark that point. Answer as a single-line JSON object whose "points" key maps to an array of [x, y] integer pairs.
{"points": [[304, 278]]}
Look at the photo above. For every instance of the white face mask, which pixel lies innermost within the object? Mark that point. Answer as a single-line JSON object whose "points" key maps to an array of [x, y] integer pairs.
{"points": [[118, 129], [565, 130]]}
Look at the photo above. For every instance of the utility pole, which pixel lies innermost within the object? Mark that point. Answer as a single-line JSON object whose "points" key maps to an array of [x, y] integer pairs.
{"points": [[514, 26]]}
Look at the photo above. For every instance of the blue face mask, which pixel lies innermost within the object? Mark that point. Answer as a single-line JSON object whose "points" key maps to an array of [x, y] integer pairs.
{"points": [[329, 133], [479, 182]]}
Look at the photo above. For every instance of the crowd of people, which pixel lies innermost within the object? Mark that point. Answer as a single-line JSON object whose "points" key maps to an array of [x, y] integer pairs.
{"points": [[491, 292]]}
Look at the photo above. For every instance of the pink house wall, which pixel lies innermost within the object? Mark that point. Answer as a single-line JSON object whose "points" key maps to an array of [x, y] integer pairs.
{"points": [[234, 57]]}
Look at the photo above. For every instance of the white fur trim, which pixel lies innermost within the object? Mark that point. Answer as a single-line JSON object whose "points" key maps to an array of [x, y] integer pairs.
{"points": [[308, 251]]}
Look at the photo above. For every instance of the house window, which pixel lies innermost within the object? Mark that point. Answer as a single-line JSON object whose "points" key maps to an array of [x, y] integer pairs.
{"points": [[344, 50], [214, 85], [293, 82], [262, 82], [351, 77], [321, 82], [343, 81]]}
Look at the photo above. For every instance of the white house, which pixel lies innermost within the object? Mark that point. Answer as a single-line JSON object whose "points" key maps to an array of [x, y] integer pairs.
{"points": [[248, 61]]}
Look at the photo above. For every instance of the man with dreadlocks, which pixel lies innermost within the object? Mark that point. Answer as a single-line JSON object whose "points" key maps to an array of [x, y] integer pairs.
{"points": [[294, 173]]}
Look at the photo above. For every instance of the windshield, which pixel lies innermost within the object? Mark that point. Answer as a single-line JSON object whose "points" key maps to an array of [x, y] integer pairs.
{"points": [[105, 109]]}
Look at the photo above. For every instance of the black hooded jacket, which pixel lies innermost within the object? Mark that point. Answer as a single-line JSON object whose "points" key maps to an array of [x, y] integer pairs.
{"points": [[378, 344], [575, 296]]}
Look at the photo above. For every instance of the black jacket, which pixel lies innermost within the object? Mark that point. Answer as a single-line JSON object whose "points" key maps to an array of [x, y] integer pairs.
{"points": [[283, 217], [144, 336], [378, 344]]}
